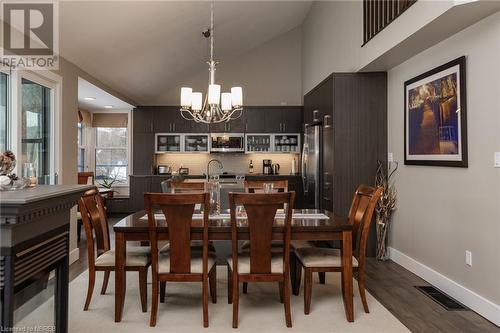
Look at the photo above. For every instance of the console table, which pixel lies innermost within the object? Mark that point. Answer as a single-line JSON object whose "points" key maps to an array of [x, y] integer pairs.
{"points": [[34, 240]]}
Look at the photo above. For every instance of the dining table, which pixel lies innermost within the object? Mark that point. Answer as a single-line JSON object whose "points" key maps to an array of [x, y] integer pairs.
{"points": [[307, 224]]}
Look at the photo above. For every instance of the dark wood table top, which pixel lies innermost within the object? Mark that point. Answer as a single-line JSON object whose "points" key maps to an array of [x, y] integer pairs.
{"points": [[134, 224]]}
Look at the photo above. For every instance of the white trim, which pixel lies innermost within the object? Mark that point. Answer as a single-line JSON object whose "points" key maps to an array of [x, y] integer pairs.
{"points": [[475, 302], [74, 255], [54, 82]]}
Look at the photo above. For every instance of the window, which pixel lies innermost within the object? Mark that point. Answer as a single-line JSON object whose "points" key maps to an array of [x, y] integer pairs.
{"points": [[81, 147], [36, 129], [4, 79], [111, 156]]}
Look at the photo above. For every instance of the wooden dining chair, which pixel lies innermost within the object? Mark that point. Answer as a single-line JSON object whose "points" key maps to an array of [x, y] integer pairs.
{"points": [[315, 259], [260, 264], [100, 255], [181, 263], [187, 187], [253, 186], [84, 177]]}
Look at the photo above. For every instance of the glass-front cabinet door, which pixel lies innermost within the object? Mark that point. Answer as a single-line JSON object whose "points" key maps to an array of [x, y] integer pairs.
{"points": [[196, 143], [258, 143], [287, 143], [168, 143]]}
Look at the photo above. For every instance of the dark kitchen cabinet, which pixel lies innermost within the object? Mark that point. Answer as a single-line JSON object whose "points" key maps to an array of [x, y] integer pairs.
{"points": [[352, 108], [255, 119], [138, 186], [291, 119], [143, 149], [277, 119], [233, 126], [274, 121], [142, 120]]}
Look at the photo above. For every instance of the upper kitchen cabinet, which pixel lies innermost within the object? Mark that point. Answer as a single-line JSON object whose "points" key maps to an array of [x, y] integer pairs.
{"points": [[291, 119], [255, 119], [318, 103], [143, 120], [164, 119], [278, 119], [232, 126]]}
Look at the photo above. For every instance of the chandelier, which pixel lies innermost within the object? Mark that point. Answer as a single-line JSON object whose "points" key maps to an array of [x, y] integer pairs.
{"points": [[216, 107]]}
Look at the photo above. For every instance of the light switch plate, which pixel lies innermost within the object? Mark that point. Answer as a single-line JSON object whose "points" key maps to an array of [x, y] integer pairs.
{"points": [[468, 258], [497, 160], [390, 157]]}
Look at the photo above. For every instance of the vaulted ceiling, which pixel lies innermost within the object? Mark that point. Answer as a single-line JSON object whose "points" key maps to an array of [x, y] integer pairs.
{"points": [[141, 48]]}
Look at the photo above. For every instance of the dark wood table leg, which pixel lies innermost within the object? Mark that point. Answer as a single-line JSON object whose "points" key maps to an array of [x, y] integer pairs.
{"points": [[61, 297], [347, 274], [120, 275], [8, 294]]}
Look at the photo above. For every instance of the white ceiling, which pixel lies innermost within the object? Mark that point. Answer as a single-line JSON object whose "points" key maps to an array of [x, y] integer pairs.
{"points": [[102, 98], [140, 48]]}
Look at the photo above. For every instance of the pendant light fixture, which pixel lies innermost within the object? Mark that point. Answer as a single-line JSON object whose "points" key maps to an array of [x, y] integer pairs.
{"points": [[215, 107]]}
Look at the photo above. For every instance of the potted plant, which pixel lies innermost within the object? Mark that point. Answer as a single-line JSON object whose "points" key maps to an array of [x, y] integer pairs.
{"points": [[107, 183]]}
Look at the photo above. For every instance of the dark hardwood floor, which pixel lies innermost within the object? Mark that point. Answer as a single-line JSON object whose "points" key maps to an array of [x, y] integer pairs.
{"points": [[392, 285]]}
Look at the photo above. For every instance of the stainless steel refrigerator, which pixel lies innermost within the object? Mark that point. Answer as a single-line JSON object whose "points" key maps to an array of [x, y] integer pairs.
{"points": [[311, 165]]}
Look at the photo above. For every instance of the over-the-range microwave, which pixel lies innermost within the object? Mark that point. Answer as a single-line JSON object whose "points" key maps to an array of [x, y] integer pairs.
{"points": [[228, 143]]}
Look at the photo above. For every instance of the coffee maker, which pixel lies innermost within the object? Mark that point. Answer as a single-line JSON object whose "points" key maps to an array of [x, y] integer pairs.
{"points": [[267, 167]]}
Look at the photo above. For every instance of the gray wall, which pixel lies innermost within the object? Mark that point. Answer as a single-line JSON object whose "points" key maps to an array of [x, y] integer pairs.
{"points": [[442, 212], [270, 74]]}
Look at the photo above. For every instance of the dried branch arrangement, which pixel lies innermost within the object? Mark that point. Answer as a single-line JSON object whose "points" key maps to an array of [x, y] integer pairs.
{"points": [[386, 205]]}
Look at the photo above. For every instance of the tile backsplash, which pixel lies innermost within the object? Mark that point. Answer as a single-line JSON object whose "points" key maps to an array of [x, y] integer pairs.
{"points": [[234, 163]]}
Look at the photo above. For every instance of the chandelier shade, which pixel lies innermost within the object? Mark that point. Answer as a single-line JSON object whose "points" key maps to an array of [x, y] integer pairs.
{"points": [[217, 107]]}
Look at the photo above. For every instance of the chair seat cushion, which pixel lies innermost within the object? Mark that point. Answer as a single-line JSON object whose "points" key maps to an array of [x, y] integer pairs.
{"points": [[321, 257], [196, 262], [244, 263], [136, 256]]}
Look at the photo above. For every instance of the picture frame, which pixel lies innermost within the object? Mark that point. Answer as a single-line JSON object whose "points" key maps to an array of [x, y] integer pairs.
{"points": [[435, 117]]}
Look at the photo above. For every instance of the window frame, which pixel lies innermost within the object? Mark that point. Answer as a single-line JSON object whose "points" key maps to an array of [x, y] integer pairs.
{"points": [[127, 147], [82, 145], [8, 110], [54, 82]]}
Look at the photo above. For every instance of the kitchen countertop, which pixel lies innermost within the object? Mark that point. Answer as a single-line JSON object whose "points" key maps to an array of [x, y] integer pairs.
{"points": [[203, 176]]}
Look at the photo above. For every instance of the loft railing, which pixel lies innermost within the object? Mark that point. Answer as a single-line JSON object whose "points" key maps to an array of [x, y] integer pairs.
{"points": [[377, 14]]}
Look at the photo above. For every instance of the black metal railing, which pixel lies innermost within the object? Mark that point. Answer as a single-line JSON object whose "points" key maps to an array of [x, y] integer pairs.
{"points": [[377, 14]]}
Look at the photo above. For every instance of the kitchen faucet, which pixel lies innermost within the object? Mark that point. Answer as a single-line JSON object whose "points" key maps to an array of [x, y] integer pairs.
{"points": [[208, 167]]}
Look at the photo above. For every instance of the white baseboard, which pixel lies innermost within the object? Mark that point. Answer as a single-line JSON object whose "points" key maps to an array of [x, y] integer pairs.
{"points": [[74, 255], [475, 302]]}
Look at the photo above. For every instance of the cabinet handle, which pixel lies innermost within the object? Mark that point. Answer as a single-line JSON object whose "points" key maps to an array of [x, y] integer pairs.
{"points": [[315, 115], [174, 126], [170, 127], [281, 125], [246, 127], [326, 121], [284, 127], [151, 125]]}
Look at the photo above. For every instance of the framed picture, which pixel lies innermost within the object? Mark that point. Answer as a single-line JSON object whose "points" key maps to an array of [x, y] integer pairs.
{"points": [[435, 117]]}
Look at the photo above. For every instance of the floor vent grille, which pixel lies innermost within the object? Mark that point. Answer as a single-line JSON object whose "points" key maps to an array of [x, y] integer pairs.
{"points": [[442, 299]]}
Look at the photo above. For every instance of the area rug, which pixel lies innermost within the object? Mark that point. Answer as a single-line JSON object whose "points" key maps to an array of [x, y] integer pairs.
{"points": [[260, 310]]}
